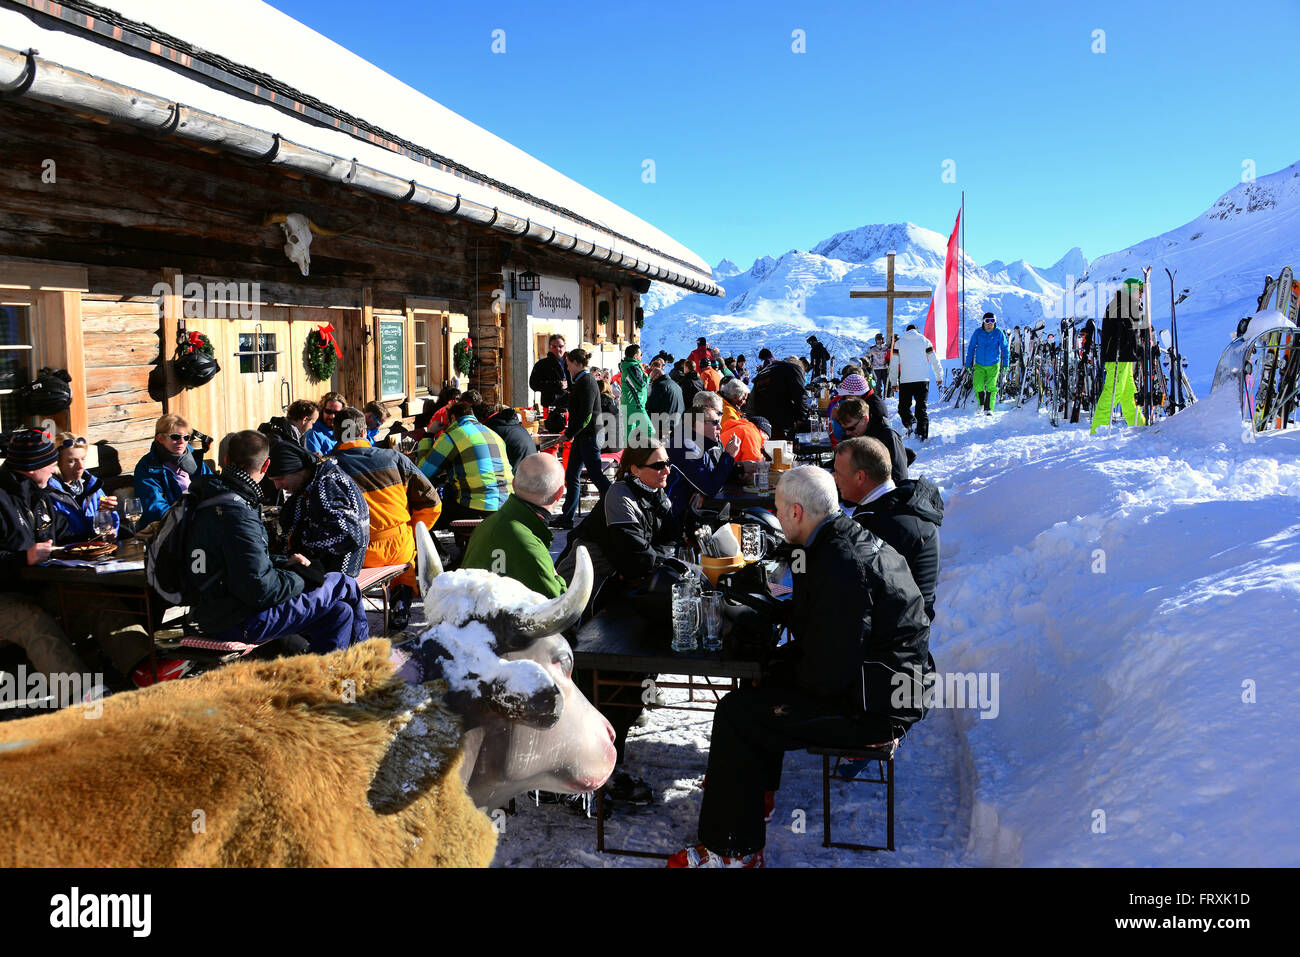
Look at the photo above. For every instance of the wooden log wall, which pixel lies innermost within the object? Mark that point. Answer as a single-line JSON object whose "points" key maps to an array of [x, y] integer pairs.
{"points": [[120, 336]]}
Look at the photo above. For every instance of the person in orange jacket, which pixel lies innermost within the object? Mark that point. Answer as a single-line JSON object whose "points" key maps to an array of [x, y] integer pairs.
{"points": [[398, 495]]}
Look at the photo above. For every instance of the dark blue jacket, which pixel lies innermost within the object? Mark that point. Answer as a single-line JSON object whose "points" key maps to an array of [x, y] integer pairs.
{"points": [[695, 469]]}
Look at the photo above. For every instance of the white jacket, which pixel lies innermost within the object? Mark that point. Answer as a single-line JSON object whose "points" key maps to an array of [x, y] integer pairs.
{"points": [[909, 361]]}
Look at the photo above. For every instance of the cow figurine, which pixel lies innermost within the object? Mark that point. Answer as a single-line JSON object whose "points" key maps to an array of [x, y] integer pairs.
{"points": [[319, 760], [527, 726]]}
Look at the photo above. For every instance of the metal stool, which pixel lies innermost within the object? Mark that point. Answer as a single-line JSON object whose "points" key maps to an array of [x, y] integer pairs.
{"points": [[883, 755]]}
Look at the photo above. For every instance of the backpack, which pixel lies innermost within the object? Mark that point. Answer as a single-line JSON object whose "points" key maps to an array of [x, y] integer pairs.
{"points": [[165, 559]]}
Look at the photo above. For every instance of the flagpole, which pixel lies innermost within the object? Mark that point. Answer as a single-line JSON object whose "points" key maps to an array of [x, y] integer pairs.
{"points": [[962, 255]]}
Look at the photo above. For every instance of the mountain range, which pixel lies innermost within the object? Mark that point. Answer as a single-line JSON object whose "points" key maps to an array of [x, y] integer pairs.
{"points": [[1221, 258]]}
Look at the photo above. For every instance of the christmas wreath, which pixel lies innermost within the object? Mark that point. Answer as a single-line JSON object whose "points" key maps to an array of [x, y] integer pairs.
{"points": [[196, 342], [640, 318], [322, 353], [463, 356], [602, 311]]}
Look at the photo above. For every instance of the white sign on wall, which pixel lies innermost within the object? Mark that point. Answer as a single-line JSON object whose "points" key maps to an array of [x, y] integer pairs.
{"points": [[556, 299]]}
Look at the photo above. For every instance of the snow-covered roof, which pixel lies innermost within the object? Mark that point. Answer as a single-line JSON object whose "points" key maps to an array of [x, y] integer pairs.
{"points": [[261, 39]]}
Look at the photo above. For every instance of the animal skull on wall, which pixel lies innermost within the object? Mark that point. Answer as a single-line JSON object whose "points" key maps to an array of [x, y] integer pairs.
{"points": [[297, 240], [298, 236]]}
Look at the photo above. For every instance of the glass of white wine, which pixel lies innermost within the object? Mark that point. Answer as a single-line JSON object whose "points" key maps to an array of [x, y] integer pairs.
{"points": [[133, 512]]}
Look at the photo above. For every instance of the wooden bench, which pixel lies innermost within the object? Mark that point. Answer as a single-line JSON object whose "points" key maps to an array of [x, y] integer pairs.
{"points": [[462, 529], [883, 755], [376, 583]]}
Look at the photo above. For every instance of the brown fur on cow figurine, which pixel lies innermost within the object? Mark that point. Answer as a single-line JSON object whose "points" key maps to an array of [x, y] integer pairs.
{"points": [[296, 762]]}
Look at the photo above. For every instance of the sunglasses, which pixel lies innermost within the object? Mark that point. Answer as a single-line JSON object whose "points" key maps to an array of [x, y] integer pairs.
{"points": [[177, 437], [69, 443], [663, 465]]}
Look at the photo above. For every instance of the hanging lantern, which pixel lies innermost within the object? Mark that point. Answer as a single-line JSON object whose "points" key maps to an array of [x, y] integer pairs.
{"points": [[529, 281]]}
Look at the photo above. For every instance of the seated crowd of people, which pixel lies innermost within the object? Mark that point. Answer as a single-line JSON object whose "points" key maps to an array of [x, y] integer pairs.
{"points": [[862, 595]]}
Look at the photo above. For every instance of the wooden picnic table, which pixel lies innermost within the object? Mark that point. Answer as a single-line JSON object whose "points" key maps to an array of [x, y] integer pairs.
{"points": [[81, 583]]}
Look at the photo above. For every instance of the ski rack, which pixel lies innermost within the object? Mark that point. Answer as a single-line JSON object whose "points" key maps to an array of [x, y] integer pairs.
{"points": [[1263, 367]]}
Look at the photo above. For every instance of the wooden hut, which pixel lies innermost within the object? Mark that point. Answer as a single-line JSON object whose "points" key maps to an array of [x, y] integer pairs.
{"points": [[160, 163]]}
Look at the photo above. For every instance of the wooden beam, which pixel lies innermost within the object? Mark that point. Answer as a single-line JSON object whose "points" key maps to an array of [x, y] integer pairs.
{"points": [[369, 348], [175, 397]]}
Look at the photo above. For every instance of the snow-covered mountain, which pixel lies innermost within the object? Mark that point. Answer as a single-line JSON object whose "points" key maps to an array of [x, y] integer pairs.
{"points": [[1221, 257], [778, 302]]}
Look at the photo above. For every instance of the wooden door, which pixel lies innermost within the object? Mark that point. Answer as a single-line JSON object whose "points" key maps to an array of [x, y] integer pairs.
{"points": [[260, 357]]}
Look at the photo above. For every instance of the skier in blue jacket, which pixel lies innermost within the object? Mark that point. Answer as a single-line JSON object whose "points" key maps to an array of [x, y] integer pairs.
{"points": [[987, 352]]}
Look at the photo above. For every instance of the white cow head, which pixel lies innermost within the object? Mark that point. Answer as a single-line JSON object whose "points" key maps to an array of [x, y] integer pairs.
{"points": [[498, 646]]}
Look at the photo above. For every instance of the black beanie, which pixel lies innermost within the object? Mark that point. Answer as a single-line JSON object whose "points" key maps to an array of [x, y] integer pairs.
{"points": [[288, 457]]}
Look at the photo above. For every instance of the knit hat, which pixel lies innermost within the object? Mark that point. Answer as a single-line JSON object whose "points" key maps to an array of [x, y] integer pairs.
{"points": [[989, 315], [1133, 281], [762, 425], [30, 450], [854, 385], [287, 458]]}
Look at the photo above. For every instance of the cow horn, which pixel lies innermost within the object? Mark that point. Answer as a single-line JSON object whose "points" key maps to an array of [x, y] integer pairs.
{"points": [[321, 230], [273, 218], [552, 617], [428, 566]]}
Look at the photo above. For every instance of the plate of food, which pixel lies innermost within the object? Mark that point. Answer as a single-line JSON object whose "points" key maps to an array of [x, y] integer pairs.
{"points": [[86, 550]]}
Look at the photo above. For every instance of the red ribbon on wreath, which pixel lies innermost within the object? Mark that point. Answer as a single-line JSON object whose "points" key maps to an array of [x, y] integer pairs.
{"points": [[195, 341], [327, 338]]}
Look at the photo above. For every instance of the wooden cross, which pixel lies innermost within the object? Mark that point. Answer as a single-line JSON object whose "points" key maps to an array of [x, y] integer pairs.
{"points": [[889, 294]]}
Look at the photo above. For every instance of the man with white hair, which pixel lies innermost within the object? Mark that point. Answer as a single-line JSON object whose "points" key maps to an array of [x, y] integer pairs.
{"points": [[515, 541], [852, 675]]}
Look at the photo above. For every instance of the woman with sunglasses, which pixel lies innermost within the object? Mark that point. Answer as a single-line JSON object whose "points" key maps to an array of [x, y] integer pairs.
{"points": [[630, 535], [77, 493], [168, 468]]}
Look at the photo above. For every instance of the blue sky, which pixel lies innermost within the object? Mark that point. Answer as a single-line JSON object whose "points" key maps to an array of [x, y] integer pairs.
{"points": [[759, 149]]}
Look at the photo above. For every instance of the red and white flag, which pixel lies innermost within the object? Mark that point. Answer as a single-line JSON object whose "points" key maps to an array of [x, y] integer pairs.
{"points": [[943, 321]]}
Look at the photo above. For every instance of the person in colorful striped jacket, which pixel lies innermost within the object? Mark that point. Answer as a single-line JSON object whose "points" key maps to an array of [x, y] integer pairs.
{"points": [[398, 496], [475, 460]]}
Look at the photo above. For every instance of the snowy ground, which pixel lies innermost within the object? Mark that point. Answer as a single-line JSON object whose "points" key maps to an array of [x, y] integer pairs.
{"points": [[1136, 594]]}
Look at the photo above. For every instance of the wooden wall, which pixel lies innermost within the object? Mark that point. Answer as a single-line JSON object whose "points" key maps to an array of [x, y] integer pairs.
{"points": [[133, 209], [120, 336]]}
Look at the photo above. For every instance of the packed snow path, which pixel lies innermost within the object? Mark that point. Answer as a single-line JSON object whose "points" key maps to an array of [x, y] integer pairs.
{"points": [[1136, 594]]}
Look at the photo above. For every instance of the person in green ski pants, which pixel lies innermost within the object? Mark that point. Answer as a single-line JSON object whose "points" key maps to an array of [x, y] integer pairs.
{"points": [[635, 385], [987, 353], [1122, 331]]}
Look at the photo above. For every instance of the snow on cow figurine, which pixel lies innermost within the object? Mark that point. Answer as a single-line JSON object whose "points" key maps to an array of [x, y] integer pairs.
{"points": [[319, 760]]}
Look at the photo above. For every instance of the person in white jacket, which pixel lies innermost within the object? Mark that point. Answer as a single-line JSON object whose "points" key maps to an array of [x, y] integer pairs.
{"points": [[908, 370]]}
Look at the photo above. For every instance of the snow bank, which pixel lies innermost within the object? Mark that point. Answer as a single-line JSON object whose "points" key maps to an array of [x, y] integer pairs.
{"points": [[1137, 594]]}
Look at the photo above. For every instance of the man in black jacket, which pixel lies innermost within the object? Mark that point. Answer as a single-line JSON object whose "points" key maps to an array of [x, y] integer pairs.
{"points": [[584, 451], [665, 403], [819, 355], [853, 675], [906, 516], [1125, 335], [551, 376], [30, 527], [504, 421], [867, 416], [241, 593], [778, 395]]}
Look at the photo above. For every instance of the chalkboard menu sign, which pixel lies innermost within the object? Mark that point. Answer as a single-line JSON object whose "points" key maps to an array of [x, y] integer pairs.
{"points": [[392, 358]]}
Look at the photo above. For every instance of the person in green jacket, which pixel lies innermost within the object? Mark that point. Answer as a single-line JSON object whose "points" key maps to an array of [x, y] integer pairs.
{"points": [[514, 541], [635, 385]]}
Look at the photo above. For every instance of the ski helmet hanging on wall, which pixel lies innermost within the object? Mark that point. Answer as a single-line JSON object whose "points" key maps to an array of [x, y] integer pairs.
{"points": [[196, 362], [49, 394]]}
